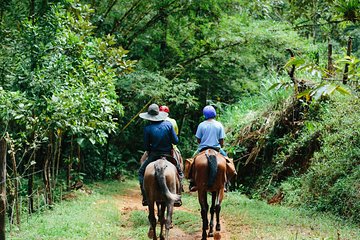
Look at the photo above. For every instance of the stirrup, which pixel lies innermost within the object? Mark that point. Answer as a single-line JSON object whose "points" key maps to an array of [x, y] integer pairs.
{"points": [[227, 186], [178, 203], [192, 187]]}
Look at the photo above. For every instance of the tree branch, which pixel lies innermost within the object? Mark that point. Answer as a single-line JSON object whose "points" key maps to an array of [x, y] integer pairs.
{"points": [[109, 9], [320, 24], [118, 21], [209, 52]]}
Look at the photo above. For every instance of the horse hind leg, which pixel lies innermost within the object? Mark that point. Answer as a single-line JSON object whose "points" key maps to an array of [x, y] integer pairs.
{"points": [[217, 209], [161, 214], [152, 220], [168, 220], [204, 211], [205, 222], [212, 211]]}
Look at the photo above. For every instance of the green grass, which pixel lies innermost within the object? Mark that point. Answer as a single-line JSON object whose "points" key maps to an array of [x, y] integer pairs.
{"points": [[97, 216], [253, 219], [92, 216]]}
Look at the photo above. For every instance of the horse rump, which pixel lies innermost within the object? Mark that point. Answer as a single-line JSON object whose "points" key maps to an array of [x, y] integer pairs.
{"points": [[160, 185], [160, 168]]}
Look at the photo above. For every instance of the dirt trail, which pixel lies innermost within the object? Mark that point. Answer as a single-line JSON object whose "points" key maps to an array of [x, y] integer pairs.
{"points": [[132, 201]]}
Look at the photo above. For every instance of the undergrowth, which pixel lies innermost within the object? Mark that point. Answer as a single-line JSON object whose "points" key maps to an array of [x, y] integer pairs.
{"points": [[311, 160], [332, 182]]}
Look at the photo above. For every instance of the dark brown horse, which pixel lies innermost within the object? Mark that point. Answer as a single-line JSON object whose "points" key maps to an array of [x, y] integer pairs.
{"points": [[209, 174], [161, 183]]}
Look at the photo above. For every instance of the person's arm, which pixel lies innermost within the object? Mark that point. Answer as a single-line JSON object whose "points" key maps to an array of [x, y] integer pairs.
{"points": [[221, 141], [198, 134], [146, 139], [174, 137], [176, 128], [221, 135]]}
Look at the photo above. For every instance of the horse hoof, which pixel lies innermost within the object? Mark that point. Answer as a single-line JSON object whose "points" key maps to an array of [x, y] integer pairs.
{"points": [[151, 233], [218, 228], [211, 234]]}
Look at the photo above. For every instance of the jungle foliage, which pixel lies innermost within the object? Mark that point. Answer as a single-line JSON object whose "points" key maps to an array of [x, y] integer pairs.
{"points": [[74, 75]]}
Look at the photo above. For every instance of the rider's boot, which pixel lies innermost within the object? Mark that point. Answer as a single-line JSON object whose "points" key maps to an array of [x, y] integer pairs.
{"points": [[192, 186], [144, 200], [178, 203]]}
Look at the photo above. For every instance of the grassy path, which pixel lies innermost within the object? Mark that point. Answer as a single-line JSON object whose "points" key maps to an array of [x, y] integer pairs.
{"points": [[113, 210]]}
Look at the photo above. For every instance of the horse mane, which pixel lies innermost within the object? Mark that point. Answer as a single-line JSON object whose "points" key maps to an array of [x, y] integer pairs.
{"points": [[161, 181], [212, 164]]}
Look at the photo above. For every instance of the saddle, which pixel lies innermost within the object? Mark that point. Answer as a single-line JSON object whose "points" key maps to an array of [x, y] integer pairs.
{"points": [[173, 158], [169, 158], [189, 162], [230, 166]]}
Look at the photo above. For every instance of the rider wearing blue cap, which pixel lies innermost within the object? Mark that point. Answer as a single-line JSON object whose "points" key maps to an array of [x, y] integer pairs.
{"points": [[209, 134]]}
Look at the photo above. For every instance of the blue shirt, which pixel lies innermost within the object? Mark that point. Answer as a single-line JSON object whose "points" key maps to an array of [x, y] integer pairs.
{"points": [[159, 137], [210, 132]]}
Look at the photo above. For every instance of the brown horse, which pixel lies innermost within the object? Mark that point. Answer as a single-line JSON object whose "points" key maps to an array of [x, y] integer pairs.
{"points": [[209, 174], [161, 183]]}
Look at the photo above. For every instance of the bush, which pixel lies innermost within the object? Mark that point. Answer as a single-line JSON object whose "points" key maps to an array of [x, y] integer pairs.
{"points": [[332, 182]]}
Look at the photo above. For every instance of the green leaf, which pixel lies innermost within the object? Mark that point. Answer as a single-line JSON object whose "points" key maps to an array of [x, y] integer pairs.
{"points": [[305, 94], [294, 61], [343, 90], [80, 141], [92, 141], [275, 85]]}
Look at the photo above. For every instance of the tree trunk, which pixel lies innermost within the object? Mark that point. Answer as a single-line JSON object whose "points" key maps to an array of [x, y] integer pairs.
{"points": [[16, 180], [330, 66], [44, 6], [58, 157], [79, 168], [68, 172], [31, 9], [30, 190], [3, 147], [163, 41], [315, 20], [291, 73], [54, 154], [30, 187], [106, 159], [183, 115], [348, 53], [47, 173], [1, 15]]}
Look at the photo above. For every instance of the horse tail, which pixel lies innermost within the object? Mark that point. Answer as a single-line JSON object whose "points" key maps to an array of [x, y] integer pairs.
{"points": [[161, 180], [212, 163]]}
